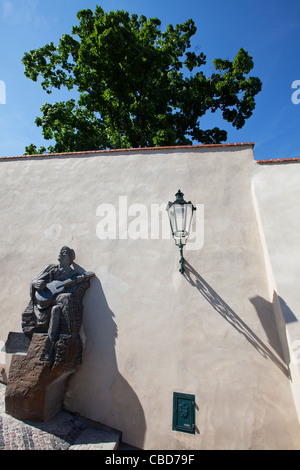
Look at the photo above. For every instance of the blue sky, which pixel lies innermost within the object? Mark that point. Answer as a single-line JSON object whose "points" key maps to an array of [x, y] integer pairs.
{"points": [[268, 29]]}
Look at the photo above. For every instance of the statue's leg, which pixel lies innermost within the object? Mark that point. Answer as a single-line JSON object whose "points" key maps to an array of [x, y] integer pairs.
{"points": [[53, 331], [53, 334]]}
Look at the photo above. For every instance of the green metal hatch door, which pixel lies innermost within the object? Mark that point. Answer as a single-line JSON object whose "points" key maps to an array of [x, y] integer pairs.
{"points": [[184, 413]]}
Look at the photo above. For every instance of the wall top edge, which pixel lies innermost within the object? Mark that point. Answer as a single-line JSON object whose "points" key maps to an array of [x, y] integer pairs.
{"points": [[278, 161], [140, 149]]}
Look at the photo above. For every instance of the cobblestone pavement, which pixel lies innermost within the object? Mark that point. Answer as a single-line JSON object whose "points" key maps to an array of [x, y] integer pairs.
{"points": [[64, 432]]}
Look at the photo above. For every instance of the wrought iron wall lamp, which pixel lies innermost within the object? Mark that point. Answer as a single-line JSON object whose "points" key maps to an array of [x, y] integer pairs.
{"points": [[180, 215]]}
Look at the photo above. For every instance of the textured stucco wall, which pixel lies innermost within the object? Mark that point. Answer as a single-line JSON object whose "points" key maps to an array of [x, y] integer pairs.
{"points": [[148, 330]]}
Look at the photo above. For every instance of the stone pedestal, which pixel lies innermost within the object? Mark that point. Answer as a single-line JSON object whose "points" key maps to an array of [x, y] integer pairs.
{"points": [[37, 379]]}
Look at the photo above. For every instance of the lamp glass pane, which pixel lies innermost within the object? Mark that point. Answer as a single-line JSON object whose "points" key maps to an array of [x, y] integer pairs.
{"points": [[171, 215], [189, 217], [180, 219]]}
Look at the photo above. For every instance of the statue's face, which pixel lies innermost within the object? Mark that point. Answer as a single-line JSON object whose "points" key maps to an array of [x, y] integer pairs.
{"points": [[63, 257]]}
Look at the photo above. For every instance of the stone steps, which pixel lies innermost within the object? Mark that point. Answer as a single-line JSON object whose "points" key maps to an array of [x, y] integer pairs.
{"points": [[94, 439], [65, 431]]}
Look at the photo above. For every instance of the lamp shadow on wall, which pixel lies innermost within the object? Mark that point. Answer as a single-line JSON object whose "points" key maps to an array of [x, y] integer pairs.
{"points": [[103, 390], [197, 281]]}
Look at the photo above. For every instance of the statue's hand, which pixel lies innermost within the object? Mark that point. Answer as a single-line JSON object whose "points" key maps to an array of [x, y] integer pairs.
{"points": [[39, 284], [84, 276]]}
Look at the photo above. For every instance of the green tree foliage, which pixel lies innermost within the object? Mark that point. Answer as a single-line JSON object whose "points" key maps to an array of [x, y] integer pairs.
{"points": [[138, 86]]}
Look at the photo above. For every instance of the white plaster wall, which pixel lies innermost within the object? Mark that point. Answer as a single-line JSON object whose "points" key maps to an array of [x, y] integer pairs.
{"points": [[148, 330], [276, 188]]}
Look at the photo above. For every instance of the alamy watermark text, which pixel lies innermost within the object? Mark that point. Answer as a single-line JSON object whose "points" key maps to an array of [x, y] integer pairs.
{"points": [[137, 221], [296, 93], [2, 92]]}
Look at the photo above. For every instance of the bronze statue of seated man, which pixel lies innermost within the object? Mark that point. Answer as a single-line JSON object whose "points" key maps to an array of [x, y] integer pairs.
{"points": [[51, 341], [55, 305]]}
